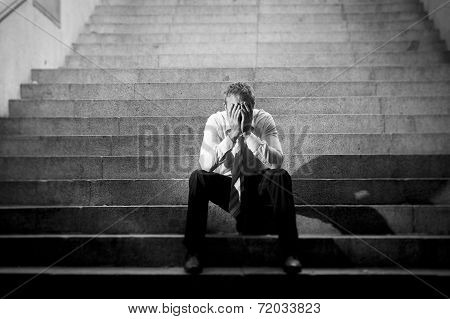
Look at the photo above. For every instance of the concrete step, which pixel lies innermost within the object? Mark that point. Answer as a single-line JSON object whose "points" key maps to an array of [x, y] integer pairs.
{"points": [[171, 3], [258, 282], [225, 251], [215, 89], [245, 2], [292, 18], [175, 191], [404, 105], [330, 8], [253, 48], [251, 27], [181, 166], [243, 17], [358, 73], [253, 60], [290, 2], [319, 123], [355, 47], [324, 220], [189, 144], [341, 26], [337, 36], [263, 9]]}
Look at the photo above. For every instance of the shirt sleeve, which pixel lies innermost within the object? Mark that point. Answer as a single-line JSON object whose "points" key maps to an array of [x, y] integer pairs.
{"points": [[267, 148], [213, 150]]}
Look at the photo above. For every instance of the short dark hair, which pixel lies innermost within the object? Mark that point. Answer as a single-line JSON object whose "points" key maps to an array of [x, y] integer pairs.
{"points": [[243, 90]]}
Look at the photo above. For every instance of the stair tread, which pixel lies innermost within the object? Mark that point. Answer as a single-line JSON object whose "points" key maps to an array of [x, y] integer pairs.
{"points": [[186, 178], [229, 236], [220, 271], [22, 207]]}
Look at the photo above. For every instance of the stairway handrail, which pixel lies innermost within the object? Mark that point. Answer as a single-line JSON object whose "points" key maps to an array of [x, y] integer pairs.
{"points": [[10, 9]]}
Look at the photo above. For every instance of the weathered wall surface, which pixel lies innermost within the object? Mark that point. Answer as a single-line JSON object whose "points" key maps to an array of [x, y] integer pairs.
{"points": [[28, 39]]}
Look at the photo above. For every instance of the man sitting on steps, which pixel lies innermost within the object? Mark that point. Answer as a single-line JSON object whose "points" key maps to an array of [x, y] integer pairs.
{"points": [[240, 160]]}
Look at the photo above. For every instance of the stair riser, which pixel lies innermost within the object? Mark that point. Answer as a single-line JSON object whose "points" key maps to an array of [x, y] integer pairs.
{"points": [[261, 18], [259, 282], [246, 2], [321, 144], [119, 38], [205, 107], [252, 60], [431, 73], [214, 90], [226, 252], [292, 18], [250, 27], [315, 123], [384, 220], [263, 9], [301, 166], [261, 49], [175, 192]]}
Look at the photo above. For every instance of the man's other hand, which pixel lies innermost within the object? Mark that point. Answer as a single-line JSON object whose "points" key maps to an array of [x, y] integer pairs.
{"points": [[234, 117], [247, 116]]}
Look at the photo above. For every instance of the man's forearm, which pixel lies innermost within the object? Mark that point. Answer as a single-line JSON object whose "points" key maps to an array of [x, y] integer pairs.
{"points": [[212, 156], [268, 155]]}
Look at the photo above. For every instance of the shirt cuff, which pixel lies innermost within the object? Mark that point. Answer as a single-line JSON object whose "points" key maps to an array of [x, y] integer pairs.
{"points": [[253, 142], [224, 146]]}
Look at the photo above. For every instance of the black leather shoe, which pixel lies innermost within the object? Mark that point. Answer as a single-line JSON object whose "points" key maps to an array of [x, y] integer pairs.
{"points": [[192, 264], [292, 265]]}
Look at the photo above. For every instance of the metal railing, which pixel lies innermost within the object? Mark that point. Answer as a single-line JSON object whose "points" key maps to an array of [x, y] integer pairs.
{"points": [[10, 9]]}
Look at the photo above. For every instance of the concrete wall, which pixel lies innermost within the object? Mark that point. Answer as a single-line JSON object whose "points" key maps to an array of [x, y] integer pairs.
{"points": [[24, 46], [440, 18]]}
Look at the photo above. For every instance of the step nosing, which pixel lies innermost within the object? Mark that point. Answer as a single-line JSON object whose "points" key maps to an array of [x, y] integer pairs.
{"points": [[200, 134], [220, 271], [374, 179], [310, 116], [253, 82], [37, 207], [238, 236], [375, 97], [70, 69]]}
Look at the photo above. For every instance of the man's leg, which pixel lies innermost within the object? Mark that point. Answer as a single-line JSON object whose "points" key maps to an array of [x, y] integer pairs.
{"points": [[277, 184], [203, 187]]}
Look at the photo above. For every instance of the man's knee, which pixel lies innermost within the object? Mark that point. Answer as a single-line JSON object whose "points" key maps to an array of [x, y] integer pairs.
{"points": [[195, 176], [195, 173], [199, 176], [279, 172]]}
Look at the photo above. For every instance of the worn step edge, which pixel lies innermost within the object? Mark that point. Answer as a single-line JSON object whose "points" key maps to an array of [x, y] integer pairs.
{"points": [[220, 271]]}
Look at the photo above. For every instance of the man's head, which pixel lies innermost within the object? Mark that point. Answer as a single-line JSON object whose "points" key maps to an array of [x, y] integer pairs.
{"points": [[239, 92]]}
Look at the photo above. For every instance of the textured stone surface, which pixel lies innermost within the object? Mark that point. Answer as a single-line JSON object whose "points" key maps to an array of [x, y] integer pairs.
{"points": [[174, 192], [325, 220], [157, 251]]}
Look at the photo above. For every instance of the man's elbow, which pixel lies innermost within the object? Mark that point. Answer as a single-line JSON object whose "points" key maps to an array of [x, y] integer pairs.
{"points": [[205, 167], [277, 165], [206, 163], [278, 161]]}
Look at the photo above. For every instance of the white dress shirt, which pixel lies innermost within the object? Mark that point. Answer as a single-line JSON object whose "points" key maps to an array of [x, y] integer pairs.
{"points": [[218, 150]]}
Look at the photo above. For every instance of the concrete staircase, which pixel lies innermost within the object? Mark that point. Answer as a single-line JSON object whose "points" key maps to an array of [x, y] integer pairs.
{"points": [[106, 144]]}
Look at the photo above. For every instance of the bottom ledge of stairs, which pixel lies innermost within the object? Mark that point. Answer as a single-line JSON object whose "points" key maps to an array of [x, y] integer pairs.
{"points": [[220, 271], [223, 282]]}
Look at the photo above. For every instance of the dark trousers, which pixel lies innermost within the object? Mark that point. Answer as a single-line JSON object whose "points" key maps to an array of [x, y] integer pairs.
{"points": [[267, 207]]}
